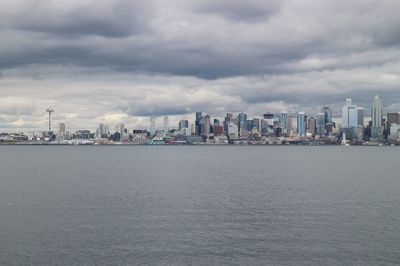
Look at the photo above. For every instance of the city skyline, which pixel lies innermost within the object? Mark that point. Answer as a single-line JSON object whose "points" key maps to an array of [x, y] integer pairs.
{"points": [[158, 122], [127, 60], [234, 128]]}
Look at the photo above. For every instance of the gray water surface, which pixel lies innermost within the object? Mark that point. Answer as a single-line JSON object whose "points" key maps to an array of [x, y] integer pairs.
{"points": [[261, 205]]}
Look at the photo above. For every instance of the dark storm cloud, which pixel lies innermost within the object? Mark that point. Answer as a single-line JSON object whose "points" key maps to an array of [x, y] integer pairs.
{"points": [[118, 18], [190, 39]]}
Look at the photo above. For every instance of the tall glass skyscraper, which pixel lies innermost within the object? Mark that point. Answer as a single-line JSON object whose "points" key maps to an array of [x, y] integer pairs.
{"points": [[326, 110], [283, 121], [376, 117], [242, 118], [199, 116], [349, 115], [321, 124], [301, 127], [376, 112], [360, 116]]}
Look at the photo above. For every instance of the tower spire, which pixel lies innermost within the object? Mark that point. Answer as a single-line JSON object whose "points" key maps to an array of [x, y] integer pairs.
{"points": [[50, 110]]}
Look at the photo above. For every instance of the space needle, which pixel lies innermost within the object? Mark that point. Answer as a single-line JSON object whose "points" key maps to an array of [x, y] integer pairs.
{"points": [[50, 110]]}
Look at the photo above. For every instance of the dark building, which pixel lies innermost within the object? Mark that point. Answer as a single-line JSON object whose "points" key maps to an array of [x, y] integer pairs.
{"points": [[199, 116], [82, 134], [268, 116], [116, 136], [393, 118], [183, 124]]}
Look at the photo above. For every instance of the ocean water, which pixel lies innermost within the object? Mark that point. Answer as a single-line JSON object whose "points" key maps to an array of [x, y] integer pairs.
{"points": [[195, 205]]}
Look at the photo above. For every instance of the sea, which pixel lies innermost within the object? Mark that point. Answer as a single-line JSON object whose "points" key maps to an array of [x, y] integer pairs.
{"points": [[199, 205]]}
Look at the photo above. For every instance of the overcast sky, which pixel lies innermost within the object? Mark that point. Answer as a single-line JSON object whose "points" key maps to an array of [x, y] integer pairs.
{"points": [[123, 60]]}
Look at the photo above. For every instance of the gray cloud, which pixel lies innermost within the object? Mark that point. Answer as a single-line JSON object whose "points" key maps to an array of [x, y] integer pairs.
{"points": [[125, 60], [251, 10], [116, 18]]}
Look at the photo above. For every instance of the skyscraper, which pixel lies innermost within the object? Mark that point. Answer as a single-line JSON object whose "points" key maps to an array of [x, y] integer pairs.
{"points": [[321, 119], [349, 115], [291, 124], [61, 131], [360, 116], [199, 116], [393, 118], [166, 123], [376, 118], [206, 125], [311, 125], [183, 124], [152, 124], [376, 112], [283, 122], [326, 110], [121, 128], [242, 117], [301, 124], [226, 121]]}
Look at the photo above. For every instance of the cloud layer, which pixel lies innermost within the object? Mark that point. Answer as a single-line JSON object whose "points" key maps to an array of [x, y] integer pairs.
{"points": [[124, 60]]}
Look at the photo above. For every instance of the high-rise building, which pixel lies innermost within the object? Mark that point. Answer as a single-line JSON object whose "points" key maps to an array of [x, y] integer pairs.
{"points": [[376, 118], [349, 115], [227, 119], [102, 130], [283, 122], [121, 129], [242, 118], [248, 125], [291, 125], [326, 110], [232, 130], [166, 123], [301, 127], [206, 125], [183, 124], [257, 124], [269, 118], [393, 118], [152, 124], [376, 112], [61, 131], [360, 116], [321, 124], [264, 126], [311, 125], [199, 116]]}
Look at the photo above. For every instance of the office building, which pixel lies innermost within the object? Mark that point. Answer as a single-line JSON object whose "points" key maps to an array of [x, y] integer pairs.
{"points": [[360, 116], [349, 115], [183, 124], [199, 116], [283, 122], [152, 124], [166, 123], [376, 118], [301, 127], [205, 123], [321, 124]]}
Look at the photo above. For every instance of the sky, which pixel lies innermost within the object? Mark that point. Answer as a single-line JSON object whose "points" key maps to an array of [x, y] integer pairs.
{"points": [[120, 61]]}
